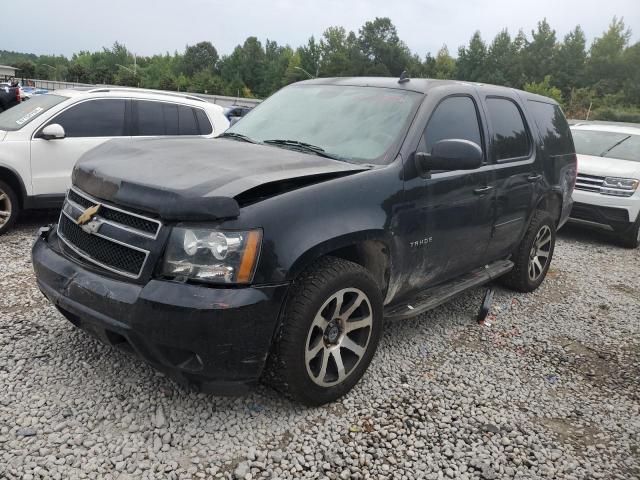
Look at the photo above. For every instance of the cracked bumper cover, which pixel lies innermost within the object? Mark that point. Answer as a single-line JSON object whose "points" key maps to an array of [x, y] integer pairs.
{"points": [[215, 339]]}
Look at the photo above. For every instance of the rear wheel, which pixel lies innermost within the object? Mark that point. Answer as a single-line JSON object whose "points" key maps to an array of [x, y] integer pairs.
{"points": [[631, 238], [533, 256], [9, 207], [330, 331]]}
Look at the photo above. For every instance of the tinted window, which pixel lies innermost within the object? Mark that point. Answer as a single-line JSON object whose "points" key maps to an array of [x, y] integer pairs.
{"points": [[94, 118], [187, 121], [597, 143], [553, 127], [629, 149], [510, 138], [455, 117], [203, 122], [157, 118]]}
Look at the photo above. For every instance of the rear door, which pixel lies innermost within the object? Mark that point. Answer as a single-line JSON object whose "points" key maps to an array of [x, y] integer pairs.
{"points": [[517, 172], [449, 214], [87, 124]]}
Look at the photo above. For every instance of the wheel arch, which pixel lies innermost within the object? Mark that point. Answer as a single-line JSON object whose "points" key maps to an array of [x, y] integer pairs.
{"points": [[369, 249], [11, 177]]}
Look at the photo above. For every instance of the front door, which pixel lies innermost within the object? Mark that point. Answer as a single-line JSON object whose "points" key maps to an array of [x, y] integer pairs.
{"points": [[449, 215], [86, 124]]}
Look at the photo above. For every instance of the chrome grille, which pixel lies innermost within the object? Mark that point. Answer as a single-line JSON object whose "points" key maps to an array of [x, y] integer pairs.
{"points": [[590, 183], [114, 239], [101, 251], [117, 216]]}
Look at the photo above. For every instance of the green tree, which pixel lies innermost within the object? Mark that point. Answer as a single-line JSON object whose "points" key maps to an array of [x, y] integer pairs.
{"points": [[605, 66], [471, 64], [380, 44], [544, 88], [444, 66], [539, 53], [570, 61], [199, 57]]}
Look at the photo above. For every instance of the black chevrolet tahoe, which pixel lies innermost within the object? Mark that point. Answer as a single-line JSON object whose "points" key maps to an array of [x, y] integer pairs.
{"points": [[275, 251]]}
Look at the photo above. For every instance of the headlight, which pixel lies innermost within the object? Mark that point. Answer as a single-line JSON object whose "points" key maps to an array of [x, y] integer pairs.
{"points": [[621, 187], [212, 255]]}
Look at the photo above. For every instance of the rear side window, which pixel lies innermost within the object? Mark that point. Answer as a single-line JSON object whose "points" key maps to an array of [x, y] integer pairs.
{"points": [[187, 121], [454, 117], [157, 119], [161, 118], [553, 127], [203, 122], [510, 139], [94, 118]]}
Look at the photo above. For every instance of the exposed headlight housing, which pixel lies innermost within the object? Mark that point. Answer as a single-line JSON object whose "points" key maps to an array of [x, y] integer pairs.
{"points": [[214, 256], [619, 187]]}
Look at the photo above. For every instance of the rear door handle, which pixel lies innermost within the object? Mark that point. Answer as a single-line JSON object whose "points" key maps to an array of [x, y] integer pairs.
{"points": [[483, 190], [534, 178]]}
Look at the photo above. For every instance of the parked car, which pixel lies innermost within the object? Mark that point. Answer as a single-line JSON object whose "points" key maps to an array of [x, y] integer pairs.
{"points": [[9, 96], [275, 250], [236, 112], [41, 140], [606, 193]]}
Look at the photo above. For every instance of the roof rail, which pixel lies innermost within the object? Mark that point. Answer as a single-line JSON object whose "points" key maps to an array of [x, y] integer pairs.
{"points": [[146, 90]]}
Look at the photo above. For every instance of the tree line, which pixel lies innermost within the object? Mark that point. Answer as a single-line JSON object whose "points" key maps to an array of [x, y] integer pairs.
{"points": [[601, 79]]}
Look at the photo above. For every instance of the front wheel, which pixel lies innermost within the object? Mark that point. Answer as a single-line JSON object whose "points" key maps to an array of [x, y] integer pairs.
{"points": [[533, 256], [631, 238], [9, 207], [329, 333]]}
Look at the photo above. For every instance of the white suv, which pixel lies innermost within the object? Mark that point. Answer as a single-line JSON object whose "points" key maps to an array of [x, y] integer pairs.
{"points": [[606, 192], [41, 140]]}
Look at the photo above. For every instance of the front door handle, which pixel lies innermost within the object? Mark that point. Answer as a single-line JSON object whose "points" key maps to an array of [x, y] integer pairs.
{"points": [[534, 178], [483, 190]]}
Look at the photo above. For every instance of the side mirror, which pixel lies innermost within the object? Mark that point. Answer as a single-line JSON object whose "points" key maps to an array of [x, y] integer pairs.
{"points": [[53, 132], [450, 154]]}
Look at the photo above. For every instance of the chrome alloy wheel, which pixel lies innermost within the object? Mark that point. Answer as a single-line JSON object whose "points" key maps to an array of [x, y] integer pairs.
{"points": [[5, 208], [338, 337], [539, 254]]}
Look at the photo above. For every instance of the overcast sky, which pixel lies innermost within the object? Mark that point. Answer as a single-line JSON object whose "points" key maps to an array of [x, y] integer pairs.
{"points": [[147, 26]]}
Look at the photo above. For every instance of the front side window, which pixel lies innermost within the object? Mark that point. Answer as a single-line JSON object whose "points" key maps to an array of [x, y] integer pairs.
{"points": [[454, 118], [24, 113], [94, 118], [509, 135], [355, 124]]}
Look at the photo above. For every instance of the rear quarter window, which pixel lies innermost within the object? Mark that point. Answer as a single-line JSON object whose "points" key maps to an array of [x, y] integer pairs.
{"points": [[553, 127], [203, 122]]}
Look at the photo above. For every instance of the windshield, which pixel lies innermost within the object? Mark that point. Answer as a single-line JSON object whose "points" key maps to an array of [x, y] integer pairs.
{"points": [[629, 149], [17, 117], [359, 124], [597, 143]]}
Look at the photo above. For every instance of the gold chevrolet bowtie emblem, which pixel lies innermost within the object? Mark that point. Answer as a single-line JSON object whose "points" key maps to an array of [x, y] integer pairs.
{"points": [[88, 213]]}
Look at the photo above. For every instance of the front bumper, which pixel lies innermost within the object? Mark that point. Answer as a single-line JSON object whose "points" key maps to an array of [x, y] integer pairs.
{"points": [[616, 218], [215, 339]]}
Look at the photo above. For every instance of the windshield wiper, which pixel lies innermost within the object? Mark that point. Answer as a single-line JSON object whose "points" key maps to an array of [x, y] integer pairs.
{"points": [[304, 147], [614, 146], [237, 136]]}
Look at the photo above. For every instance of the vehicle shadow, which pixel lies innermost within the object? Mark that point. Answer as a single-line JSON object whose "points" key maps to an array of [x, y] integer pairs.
{"points": [[37, 218], [589, 235]]}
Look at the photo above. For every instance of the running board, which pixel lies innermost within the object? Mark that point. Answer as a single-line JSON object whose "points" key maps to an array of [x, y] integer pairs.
{"points": [[436, 296]]}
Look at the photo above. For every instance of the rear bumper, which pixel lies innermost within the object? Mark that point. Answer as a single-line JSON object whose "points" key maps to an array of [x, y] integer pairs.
{"points": [[215, 339]]}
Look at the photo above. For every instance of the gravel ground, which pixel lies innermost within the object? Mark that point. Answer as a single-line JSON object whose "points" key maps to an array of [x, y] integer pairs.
{"points": [[550, 389]]}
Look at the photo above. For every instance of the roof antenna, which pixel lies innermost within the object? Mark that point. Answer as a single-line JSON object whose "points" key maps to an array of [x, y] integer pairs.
{"points": [[404, 77]]}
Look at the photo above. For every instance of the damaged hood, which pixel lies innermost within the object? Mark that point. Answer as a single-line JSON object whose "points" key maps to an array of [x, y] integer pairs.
{"points": [[192, 179]]}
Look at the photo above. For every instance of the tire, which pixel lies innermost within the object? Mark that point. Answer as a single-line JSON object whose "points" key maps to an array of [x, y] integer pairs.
{"points": [[9, 207], [527, 275], [309, 325], [631, 238]]}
